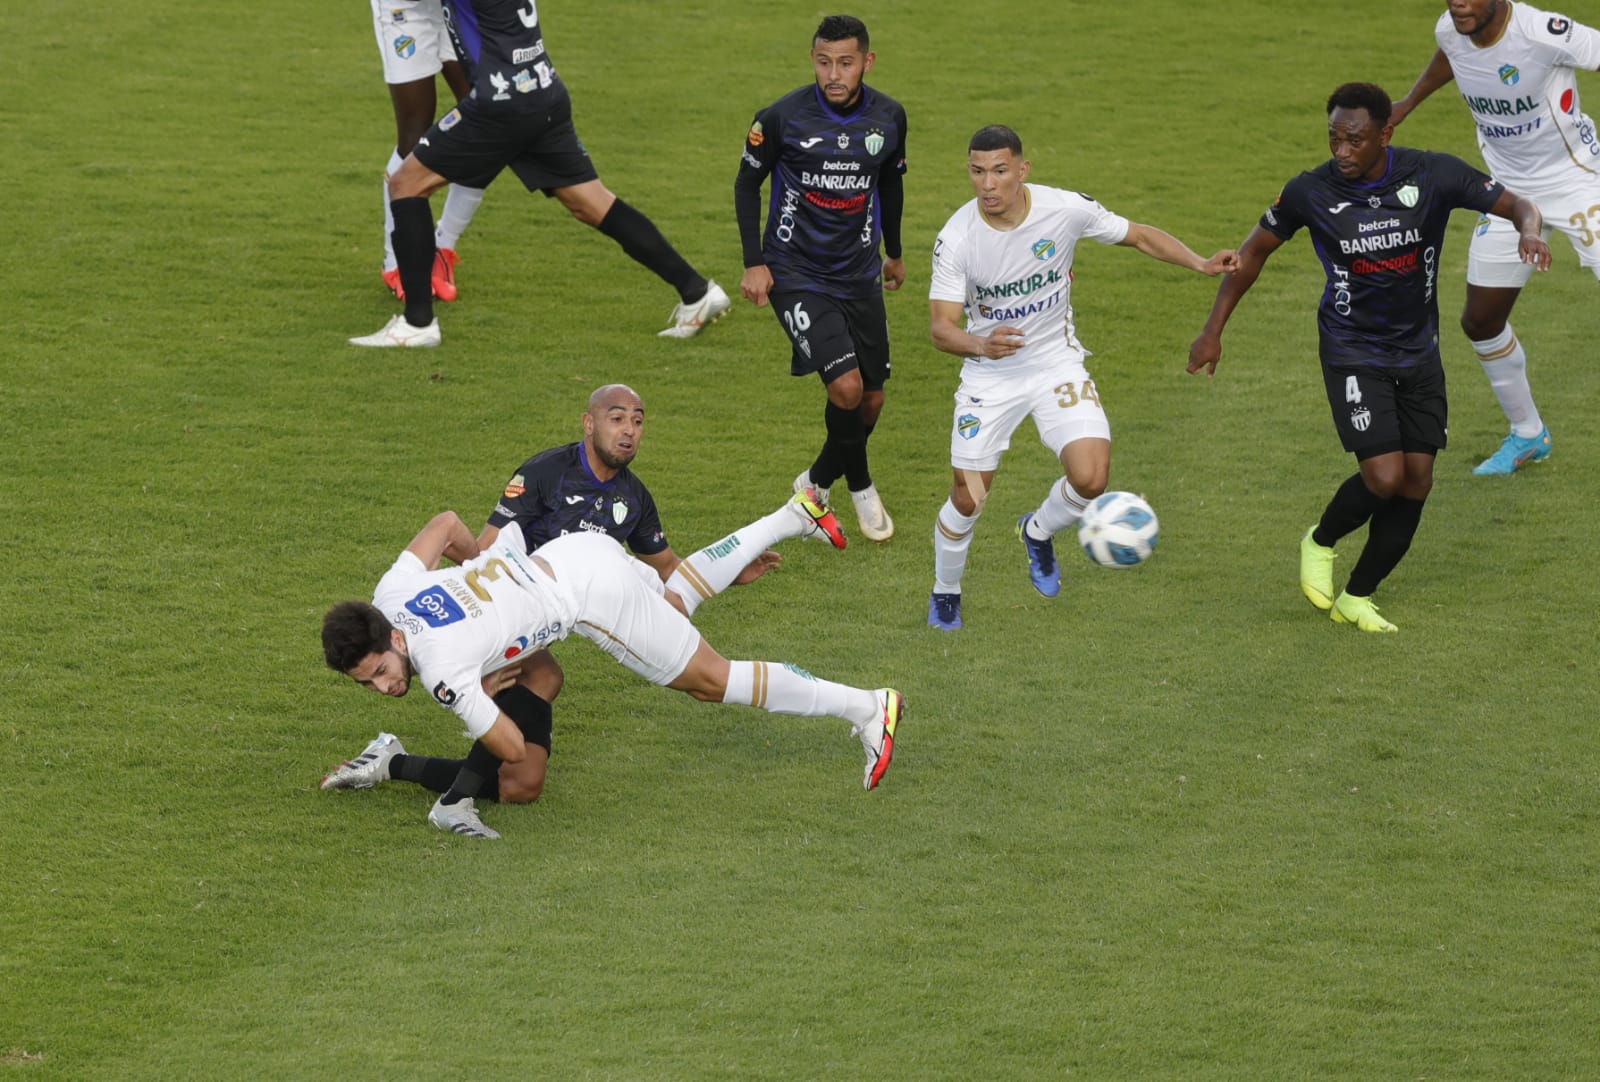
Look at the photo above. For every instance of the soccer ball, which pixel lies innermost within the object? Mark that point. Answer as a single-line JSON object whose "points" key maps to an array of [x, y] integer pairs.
{"points": [[1118, 529]]}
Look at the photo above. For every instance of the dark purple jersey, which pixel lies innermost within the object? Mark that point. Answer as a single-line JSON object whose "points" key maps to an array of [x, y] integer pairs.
{"points": [[836, 191], [1379, 242], [499, 43], [555, 493]]}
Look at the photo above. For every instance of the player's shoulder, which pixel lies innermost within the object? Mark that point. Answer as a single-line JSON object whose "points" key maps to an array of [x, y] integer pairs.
{"points": [[959, 225], [877, 101], [1535, 27], [1050, 198], [1304, 185], [1410, 161], [794, 103]]}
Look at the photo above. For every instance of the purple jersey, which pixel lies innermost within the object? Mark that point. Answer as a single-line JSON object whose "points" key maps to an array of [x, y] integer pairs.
{"points": [[499, 43], [555, 493]]}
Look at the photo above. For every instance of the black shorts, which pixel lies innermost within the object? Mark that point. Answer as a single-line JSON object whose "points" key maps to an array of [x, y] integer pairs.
{"points": [[470, 146], [1380, 410], [832, 335]]}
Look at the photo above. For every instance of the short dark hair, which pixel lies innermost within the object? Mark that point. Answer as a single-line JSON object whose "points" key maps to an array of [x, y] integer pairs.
{"points": [[842, 28], [351, 631], [1369, 96], [995, 137]]}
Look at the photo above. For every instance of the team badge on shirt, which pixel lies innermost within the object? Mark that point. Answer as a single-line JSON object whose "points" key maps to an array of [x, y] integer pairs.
{"points": [[874, 141], [619, 512], [1509, 74], [1044, 249], [1407, 194], [844, 141], [405, 46]]}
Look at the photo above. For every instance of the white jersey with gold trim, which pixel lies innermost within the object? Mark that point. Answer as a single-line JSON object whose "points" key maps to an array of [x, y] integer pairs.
{"points": [[1523, 95], [1020, 277]]}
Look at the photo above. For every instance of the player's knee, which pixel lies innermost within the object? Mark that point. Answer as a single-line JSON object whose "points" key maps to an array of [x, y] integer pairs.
{"points": [[846, 391], [1090, 481], [521, 790], [1479, 327]]}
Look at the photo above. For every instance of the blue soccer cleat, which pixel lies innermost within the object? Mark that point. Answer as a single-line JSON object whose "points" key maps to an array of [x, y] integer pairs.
{"points": [[1515, 451], [944, 611], [1042, 569]]}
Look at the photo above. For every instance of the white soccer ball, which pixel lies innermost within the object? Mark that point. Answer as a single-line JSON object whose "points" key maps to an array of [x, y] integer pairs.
{"points": [[1118, 529]]}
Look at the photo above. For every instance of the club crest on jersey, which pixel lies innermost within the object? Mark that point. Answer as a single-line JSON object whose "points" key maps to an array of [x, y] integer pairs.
{"points": [[844, 141], [619, 512], [1509, 74], [756, 137], [405, 46], [1407, 194], [967, 426], [1361, 418], [1374, 202], [446, 122], [874, 141], [1044, 249]]}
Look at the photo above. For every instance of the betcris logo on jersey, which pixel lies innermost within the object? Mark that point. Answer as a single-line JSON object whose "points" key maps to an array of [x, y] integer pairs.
{"points": [[436, 607]]}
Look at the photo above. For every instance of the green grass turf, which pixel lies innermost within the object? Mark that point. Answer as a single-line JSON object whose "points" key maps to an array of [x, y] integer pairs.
{"points": [[1173, 824]]}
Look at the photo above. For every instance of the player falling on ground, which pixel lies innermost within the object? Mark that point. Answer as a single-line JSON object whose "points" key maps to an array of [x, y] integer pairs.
{"points": [[456, 628], [414, 44], [1378, 216], [517, 116], [1514, 65], [587, 486], [836, 151], [1002, 266]]}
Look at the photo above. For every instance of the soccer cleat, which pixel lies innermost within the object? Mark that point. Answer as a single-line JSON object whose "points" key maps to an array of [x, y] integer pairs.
{"points": [[944, 611], [1043, 571], [803, 484], [1350, 609], [366, 769], [397, 332], [687, 319], [876, 525], [459, 818], [1316, 572], [1515, 451], [877, 739], [444, 273], [818, 518], [391, 278]]}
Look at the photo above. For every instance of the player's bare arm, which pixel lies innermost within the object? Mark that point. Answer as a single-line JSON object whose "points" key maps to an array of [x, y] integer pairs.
{"points": [[1159, 244], [944, 327], [1206, 350], [444, 537], [1521, 212], [505, 740], [755, 284], [1436, 74]]}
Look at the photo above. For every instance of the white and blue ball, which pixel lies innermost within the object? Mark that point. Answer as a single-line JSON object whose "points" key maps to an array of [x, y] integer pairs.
{"points": [[1118, 529]]}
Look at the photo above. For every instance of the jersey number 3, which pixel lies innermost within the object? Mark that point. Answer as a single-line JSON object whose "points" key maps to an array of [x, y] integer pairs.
{"points": [[530, 17]]}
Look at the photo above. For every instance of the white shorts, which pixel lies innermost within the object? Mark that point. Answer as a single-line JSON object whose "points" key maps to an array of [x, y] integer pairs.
{"points": [[1062, 401], [412, 39], [1492, 259], [620, 605]]}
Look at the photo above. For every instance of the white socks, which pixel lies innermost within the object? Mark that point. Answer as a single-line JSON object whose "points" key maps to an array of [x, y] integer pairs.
{"points": [[1060, 509], [705, 574], [1506, 365], [389, 262], [784, 689], [952, 536], [460, 204]]}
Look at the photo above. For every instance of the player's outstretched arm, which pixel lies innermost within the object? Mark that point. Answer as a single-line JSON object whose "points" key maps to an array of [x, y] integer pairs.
{"points": [[1524, 214], [1436, 74], [1159, 244], [444, 537], [1206, 350]]}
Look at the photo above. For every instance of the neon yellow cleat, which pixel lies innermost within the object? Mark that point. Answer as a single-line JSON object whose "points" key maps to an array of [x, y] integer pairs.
{"points": [[1350, 609], [1316, 572]]}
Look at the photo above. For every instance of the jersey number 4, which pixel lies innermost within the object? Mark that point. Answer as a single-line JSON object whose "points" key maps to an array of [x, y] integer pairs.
{"points": [[1352, 389]]}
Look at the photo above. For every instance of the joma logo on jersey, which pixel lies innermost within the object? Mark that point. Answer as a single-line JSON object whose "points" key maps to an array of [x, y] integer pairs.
{"points": [[1044, 249]]}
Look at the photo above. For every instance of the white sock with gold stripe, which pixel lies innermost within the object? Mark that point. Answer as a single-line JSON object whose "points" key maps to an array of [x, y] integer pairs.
{"points": [[784, 689], [705, 574]]}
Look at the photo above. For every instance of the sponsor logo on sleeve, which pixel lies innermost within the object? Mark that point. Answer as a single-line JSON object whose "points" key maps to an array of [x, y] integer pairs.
{"points": [[1561, 28], [516, 487], [445, 696], [756, 136]]}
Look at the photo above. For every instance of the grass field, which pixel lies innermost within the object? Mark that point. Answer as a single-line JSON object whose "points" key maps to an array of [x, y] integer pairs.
{"points": [[1173, 824]]}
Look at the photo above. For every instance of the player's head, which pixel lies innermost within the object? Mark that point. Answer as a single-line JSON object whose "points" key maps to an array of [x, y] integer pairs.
{"points": [[613, 425], [841, 56], [1359, 130], [1473, 17], [997, 169], [359, 641]]}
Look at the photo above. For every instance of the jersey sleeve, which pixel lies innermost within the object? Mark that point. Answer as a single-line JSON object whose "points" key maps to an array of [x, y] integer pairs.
{"points": [[1287, 214], [1577, 45], [949, 279], [524, 501], [461, 692], [1466, 186], [647, 538], [760, 155], [1101, 224]]}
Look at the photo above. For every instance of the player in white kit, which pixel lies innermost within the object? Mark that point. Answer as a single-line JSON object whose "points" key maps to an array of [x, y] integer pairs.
{"points": [[1514, 65], [1004, 262], [414, 43], [463, 629]]}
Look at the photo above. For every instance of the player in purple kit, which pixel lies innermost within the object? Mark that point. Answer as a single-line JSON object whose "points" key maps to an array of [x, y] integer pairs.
{"points": [[518, 115], [836, 153], [1377, 215]]}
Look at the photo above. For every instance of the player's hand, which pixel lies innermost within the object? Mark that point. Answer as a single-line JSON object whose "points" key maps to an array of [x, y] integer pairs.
{"points": [[755, 284], [496, 682], [1535, 251], [1224, 262], [1002, 342], [758, 567], [1205, 352], [894, 273]]}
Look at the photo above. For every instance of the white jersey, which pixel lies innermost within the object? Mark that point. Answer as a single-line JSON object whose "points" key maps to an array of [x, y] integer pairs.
{"points": [[1020, 277], [1523, 94], [463, 622]]}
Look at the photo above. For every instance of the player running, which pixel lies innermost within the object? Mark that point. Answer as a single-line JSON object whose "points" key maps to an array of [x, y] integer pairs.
{"points": [[1377, 216], [1514, 65], [1003, 263], [836, 151]]}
